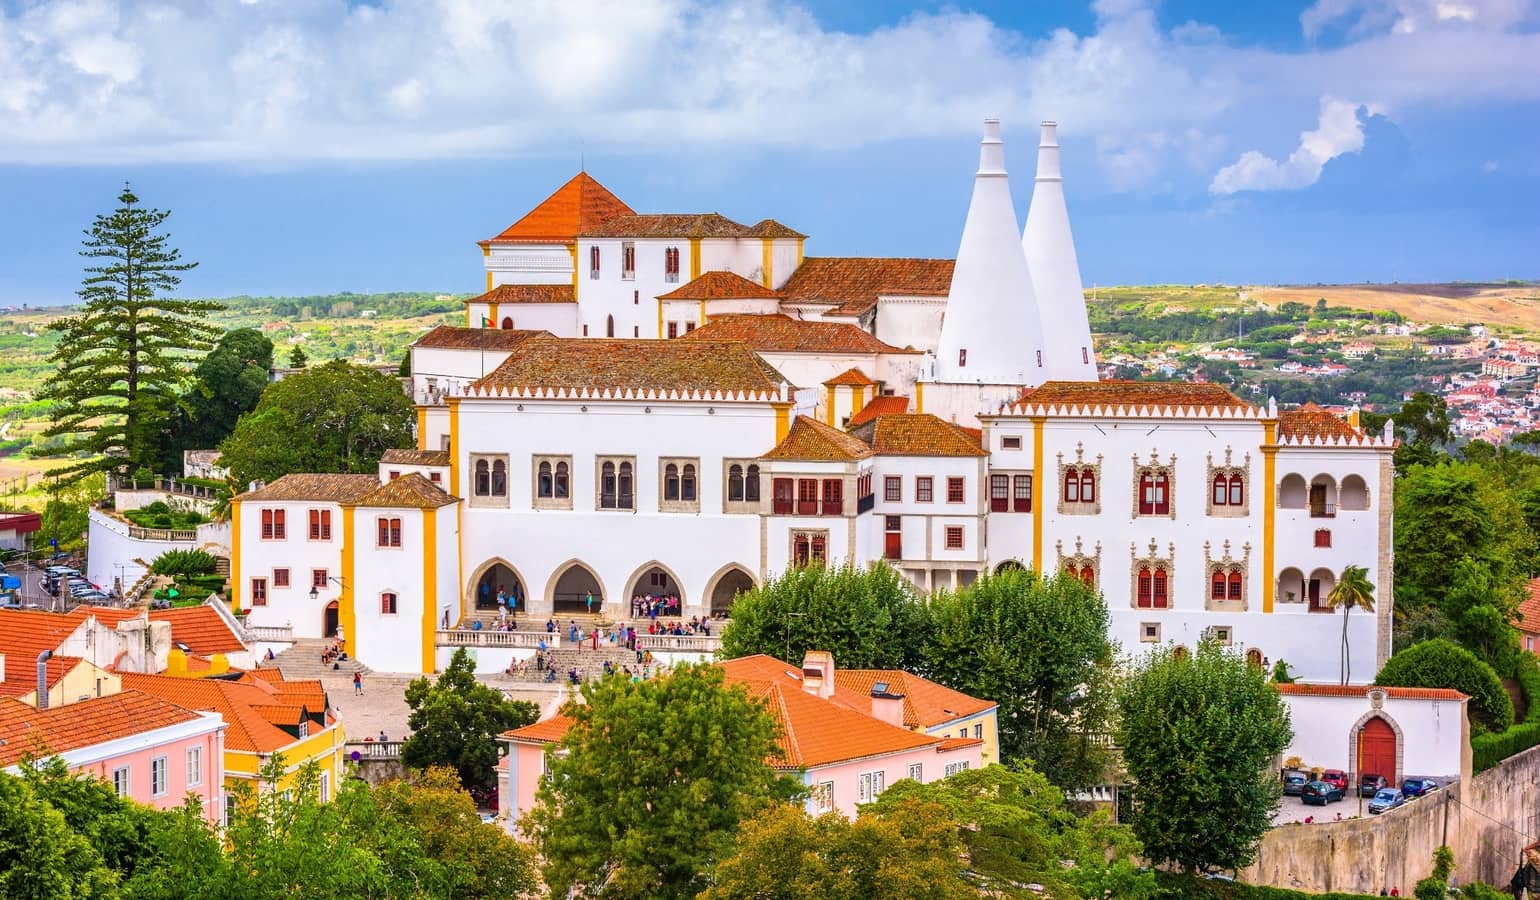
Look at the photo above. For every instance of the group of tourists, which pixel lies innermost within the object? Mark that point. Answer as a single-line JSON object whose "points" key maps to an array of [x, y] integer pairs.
{"points": [[646, 605]]}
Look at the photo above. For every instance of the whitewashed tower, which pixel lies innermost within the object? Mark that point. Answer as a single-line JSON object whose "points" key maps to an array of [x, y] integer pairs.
{"points": [[991, 333], [1050, 252]]}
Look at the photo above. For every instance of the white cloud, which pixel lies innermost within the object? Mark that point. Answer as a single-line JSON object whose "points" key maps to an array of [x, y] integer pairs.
{"points": [[1339, 131], [87, 81], [1408, 16]]}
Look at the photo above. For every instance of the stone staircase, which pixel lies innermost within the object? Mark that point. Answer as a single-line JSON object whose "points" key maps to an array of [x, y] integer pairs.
{"points": [[590, 663], [302, 661]]}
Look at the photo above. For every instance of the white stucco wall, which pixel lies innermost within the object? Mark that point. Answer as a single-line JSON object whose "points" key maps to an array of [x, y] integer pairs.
{"points": [[1433, 734]]}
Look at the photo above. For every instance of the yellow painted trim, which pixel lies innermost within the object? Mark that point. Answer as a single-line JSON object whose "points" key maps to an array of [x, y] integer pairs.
{"points": [[782, 421], [858, 399], [346, 616], [454, 447], [573, 249], [489, 280], [660, 318], [1269, 510], [829, 405], [470, 317], [694, 258], [702, 313], [429, 586], [235, 556], [486, 249], [919, 396], [492, 320], [1038, 493], [767, 250], [799, 251], [422, 428]]}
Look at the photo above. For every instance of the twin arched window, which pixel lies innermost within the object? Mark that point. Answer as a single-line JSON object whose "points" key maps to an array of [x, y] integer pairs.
{"points": [[553, 482], [1154, 588], [1079, 484], [1229, 490], [742, 483], [1085, 573], [1154, 493], [1226, 585], [679, 482], [616, 485]]}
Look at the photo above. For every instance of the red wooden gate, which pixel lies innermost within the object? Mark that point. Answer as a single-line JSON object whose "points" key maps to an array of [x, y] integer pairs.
{"points": [[1377, 750]]}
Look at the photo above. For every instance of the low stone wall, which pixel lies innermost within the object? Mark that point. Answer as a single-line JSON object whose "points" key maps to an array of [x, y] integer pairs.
{"points": [[1483, 821]]}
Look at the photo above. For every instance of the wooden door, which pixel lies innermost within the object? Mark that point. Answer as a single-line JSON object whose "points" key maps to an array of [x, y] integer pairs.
{"points": [[1377, 750]]}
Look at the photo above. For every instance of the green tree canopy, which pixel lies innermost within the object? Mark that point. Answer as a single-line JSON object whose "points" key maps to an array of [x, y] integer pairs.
{"points": [[330, 418], [1015, 829], [227, 384], [297, 357], [122, 362], [1199, 734], [455, 722], [1440, 663], [651, 783], [41, 857], [1039, 648], [869, 619]]}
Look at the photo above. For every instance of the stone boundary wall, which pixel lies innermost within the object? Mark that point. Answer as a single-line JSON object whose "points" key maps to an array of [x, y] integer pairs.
{"points": [[1488, 822]]}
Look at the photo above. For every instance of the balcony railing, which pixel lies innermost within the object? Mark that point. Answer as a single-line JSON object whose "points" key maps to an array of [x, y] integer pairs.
{"points": [[464, 637], [703, 643], [782, 506], [807, 507], [866, 504], [162, 534], [373, 749], [834, 507], [272, 633]]}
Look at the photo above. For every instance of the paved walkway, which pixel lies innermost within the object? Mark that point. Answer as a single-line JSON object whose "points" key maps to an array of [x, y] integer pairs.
{"points": [[382, 706]]}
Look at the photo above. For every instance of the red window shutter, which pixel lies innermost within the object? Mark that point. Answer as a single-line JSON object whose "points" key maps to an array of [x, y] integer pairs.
{"points": [[384, 539], [1088, 575], [1221, 491], [1087, 486], [1235, 585], [999, 493], [1237, 491], [1023, 499], [1071, 486], [1162, 600], [278, 529], [267, 524], [1218, 591], [1144, 587]]}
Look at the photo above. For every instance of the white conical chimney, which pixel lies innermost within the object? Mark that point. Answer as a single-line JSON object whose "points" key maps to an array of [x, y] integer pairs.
{"points": [[1050, 252], [990, 332]]}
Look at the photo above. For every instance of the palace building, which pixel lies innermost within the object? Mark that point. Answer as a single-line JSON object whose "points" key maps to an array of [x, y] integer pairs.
{"points": [[684, 405]]}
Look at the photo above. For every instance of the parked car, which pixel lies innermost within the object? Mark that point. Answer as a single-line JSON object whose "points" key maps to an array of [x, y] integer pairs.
{"points": [[1416, 787], [1320, 793], [1336, 778], [1386, 799], [1369, 784], [62, 572], [1294, 783]]}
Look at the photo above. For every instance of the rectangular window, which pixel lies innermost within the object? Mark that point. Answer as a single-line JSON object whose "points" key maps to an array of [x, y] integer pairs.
{"points": [[671, 265], [978, 731], [593, 262], [1010, 442], [435, 477], [1323, 537], [394, 474], [280, 578], [390, 532], [1021, 500], [917, 772], [673, 329], [833, 497], [823, 797], [628, 260], [259, 592], [924, 489], [864, 788], [194, 766], [954, 537], [1149, 633], [272, 525], [120, 781], [955, 768], [228, 800], [809, 548], [893, 488], [159, 782], [387, 604], [689, 327], [807, 496], [326, 787], [954, 490], [999, 493], [318, 579], [320, 524], [782, 503]]}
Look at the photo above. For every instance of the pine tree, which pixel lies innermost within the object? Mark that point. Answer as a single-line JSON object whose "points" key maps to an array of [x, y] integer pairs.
{"points": [[297, 357], [123, 360]]}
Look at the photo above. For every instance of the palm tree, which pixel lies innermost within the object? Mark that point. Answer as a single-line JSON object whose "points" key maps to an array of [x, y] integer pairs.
{"points": [[1353, 591]]}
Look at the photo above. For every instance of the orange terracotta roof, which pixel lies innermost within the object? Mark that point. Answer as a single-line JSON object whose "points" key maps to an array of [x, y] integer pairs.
{"points": [[664, 225], [879, 406], [24, 633], [852, 376], [852, 284], [450, 337], [779, 333], [546, 731], [612, 364], [416, 457], [1529, 609], [917, 434], [527, 293], [201, 628], [86, 723], [577, 205], [345, 489], [410, 491], [1362, 690], [1311, 421], [950, 744], [718, 285], [810, 440], [770, 228], [926, 703], [1133, 394], [237, 701], [24, 682]]}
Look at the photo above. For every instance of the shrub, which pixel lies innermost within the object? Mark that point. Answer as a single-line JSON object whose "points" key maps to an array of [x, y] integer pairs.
{"points": [[184, 563], [1441, 663], [1487, 750], [1184, 887]]}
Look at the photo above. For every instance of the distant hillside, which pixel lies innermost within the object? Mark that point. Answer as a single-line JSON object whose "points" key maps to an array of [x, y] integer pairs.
{"points": [[1512, 304]]}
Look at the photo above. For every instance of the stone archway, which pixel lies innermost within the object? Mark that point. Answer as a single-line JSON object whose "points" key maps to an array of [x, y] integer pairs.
{"points": [[725, 587], [570, 586], [654, 579], [1010, 565], [493, 574], [1376, 733]]}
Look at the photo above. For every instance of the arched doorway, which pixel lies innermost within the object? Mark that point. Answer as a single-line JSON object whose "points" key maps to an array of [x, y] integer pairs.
{"points": [[572, 588], [329, 620], [499, 576], [729, 585], [654, 580], [1318, 589], [1377, 749], [1010, 565], [507, 323], [1254, 658]]}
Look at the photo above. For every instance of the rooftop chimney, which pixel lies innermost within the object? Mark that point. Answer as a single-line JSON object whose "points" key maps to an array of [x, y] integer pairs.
{"points": [[887, 705], [990, 332], [818, 673], [42, 678], [1050, 250]]}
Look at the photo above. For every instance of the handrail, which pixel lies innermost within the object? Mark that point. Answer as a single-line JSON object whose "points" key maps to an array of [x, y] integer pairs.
{"points": [[273, 633], [374, 749], [464, 637], [162, 534], [705, 643]]}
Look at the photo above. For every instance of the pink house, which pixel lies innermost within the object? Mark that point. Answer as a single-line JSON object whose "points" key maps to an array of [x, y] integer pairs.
{"points": [[847, 738], [151, 751]]}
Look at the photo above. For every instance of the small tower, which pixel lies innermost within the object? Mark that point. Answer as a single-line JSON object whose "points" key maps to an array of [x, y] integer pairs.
{"points": [[1050, 253], [990, 333]]}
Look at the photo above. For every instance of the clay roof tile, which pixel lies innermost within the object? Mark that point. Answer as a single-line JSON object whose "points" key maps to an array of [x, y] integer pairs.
{"points": [[879, 406], [719, 285], [809, 440], [579, 204], [852, 284], [598, 364], [410, 491], [780, 333], [917, 434]]}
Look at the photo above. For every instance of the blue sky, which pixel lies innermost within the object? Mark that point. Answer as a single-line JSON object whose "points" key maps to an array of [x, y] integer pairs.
{"points": [[310, 146]]}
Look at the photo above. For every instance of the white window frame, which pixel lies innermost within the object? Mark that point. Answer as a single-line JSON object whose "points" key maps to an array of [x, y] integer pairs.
{"points": [[194, 766], [122, 780], [160, 776], [823, 797], [917, 772]]}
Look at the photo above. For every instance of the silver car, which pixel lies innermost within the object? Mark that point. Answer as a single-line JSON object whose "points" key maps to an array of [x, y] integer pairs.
{"points": [[1385, 799]]}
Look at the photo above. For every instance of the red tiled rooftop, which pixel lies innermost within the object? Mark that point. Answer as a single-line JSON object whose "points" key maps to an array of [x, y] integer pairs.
{"points": [[86, 723], [240, 702], [917, 434], [851, 376], [632, 364], [666, 225], [527, 293], [1311, 421], [926, 703], [1529, 609], [1133, 394], [1362, 690], [779, 333], [879, 406], [718, 285], [810, 440], [582, 203], [852, 284], [453, 337]]}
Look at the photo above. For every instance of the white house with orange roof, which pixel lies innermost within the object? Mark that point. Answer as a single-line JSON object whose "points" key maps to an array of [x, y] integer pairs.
{"points": [[848, 736]]}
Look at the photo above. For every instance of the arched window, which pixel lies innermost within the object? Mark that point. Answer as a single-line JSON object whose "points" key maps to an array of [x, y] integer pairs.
{"points": [[1071, 486], [1088, 575], [1162, 597], [607, 486], [734, 483], [507, 323], [1146, 494], [483, 478], [751, 484], [1162, 494], [1217, 592], [593, 262], [670, 482], [609, 326], [625, 485], [687, 483], [1179, 653], [1145, 585], [1237, 491], [1235, 584], [499, 478], [545, 484], [1221, 490], [1071, 570], [1087, 486], [563, 485], [388, 603]]}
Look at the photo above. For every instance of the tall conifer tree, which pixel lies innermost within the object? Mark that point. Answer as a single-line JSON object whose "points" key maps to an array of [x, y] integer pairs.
{"points": [[123, 360]]}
